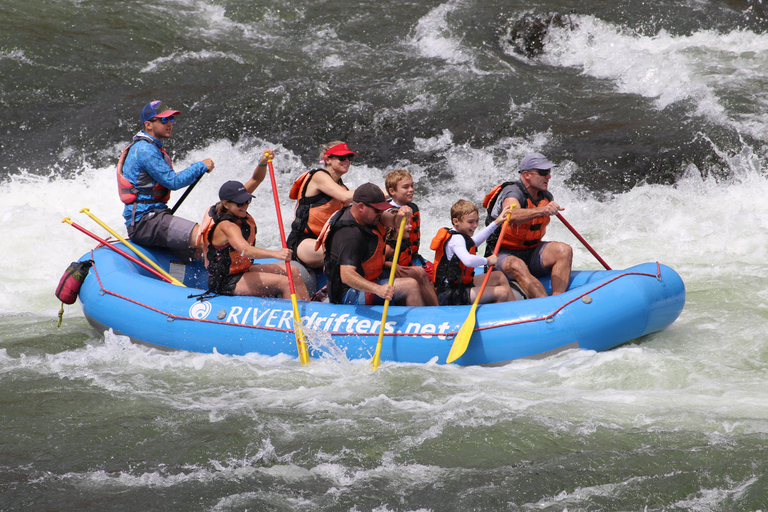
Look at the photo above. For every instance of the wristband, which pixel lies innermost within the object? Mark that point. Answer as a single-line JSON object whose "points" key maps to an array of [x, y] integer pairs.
{"points": [[262, 165]]}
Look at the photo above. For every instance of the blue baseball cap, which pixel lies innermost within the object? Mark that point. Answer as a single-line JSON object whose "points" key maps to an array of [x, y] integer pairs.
{"points": [[156, 108]]}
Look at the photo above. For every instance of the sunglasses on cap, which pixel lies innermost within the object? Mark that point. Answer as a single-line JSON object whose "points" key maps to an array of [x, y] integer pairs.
{"points": [[344, 158], [165, 120]]}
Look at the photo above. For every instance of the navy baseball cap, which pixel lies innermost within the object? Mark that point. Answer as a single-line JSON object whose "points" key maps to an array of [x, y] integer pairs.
{"points": [[234, 191], [156, 108]]}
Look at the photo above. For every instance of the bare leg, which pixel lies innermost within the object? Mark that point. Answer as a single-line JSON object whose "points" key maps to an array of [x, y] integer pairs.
{"points": [[408, 288], [263, 284], [426, 288], [306, 252], [559, 257], [516, 269], [193, 242], [497, 289], [278, 270]]}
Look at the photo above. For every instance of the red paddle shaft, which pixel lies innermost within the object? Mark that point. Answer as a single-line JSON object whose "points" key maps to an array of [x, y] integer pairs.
{"points": [[118, 251], [495, 253], [581, 239], [280, 223]]}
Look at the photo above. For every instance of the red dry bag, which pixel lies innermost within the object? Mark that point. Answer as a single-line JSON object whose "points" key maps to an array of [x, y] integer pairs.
{"points": [[72, 280]]}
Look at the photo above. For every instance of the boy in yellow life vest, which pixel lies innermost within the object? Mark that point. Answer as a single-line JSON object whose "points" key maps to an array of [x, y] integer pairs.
{"points": [[456, 258], [399, 186]]}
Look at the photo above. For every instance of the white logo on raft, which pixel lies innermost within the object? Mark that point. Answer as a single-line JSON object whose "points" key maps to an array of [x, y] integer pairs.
{"points": [[200, 309], [343, 323]]}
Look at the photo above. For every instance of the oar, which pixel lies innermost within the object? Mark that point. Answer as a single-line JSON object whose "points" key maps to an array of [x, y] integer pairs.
{"points": [[376, 361], [581, 239], [117, 250], [301, 338], [133, 247], [185, 194], [461, 341]]}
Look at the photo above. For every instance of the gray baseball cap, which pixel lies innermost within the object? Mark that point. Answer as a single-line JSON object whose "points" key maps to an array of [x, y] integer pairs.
{"points": [[533, 161]]}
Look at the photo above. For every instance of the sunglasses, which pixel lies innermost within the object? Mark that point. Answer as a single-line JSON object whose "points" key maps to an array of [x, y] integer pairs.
{"points": [[240, 205], [165, 120], [541, 172], [344, 158]]}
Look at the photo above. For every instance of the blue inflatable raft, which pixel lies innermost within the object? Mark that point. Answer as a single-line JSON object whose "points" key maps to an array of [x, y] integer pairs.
{"points": [[600, 311]]}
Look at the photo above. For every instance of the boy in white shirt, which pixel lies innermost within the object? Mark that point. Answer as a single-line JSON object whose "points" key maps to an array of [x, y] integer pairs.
{"points": [[456, 259]]}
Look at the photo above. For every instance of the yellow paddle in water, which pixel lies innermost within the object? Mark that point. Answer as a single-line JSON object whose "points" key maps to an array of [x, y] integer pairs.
{"points": [[301, 338], [133, 247], [376, 361], [461, 341]]}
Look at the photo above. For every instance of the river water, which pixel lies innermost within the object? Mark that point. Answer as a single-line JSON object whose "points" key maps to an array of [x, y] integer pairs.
{"points": [[655, 112]]}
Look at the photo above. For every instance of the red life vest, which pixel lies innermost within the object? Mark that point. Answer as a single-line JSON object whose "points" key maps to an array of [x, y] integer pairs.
{"points": [[129, 192], [409, 248], [225, 260], [311, 212], [519, 237], [451, 273]]}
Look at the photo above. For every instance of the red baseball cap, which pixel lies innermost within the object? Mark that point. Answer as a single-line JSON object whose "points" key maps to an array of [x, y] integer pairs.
{"points": [[340, 150], [156, 108]]}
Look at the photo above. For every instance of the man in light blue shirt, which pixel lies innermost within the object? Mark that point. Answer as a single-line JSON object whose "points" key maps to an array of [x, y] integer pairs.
{"points": [[145, 180]]}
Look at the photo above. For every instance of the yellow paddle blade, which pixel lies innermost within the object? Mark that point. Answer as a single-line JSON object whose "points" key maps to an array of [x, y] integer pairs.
{"points": [[301, 345], [461, 341], [301, 338]]}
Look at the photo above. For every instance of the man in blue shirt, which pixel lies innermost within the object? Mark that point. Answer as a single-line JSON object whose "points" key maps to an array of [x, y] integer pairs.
{"points": [[145, 180]]}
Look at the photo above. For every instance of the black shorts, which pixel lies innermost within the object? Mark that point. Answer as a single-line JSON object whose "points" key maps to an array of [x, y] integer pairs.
{"points": [[224, 285], [459, 296]]}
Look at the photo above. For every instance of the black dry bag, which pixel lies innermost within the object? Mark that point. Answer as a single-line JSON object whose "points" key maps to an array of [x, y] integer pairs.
{"points": [[72, 280]]}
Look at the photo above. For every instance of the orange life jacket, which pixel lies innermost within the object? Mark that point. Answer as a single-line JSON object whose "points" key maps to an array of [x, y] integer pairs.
{"points": [[451, 273], [519, 237], [311, 212], [225, 260], [129, 192], [370, 268]]}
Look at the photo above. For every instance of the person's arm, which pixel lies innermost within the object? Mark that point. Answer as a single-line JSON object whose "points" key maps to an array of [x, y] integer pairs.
{"points": [[350, 277], [322, 182], [482, 235], [457, 246], [391, 218], [234, 237], [260, 172], [153, 162], [522, 215]]}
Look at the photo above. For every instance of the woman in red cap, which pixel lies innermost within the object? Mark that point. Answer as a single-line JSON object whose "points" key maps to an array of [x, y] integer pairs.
{"points": [[319, 194]]}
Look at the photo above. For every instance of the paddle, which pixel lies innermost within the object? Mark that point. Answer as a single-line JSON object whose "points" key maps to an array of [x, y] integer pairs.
{"points": [[461, 341], [133, 247], [117, 250], [185, 194], [584, 242], [376, 361], [301, 338]]}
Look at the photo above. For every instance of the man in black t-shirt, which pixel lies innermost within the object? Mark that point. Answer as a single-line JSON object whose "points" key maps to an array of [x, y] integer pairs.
{"points": [[354, 256]]}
